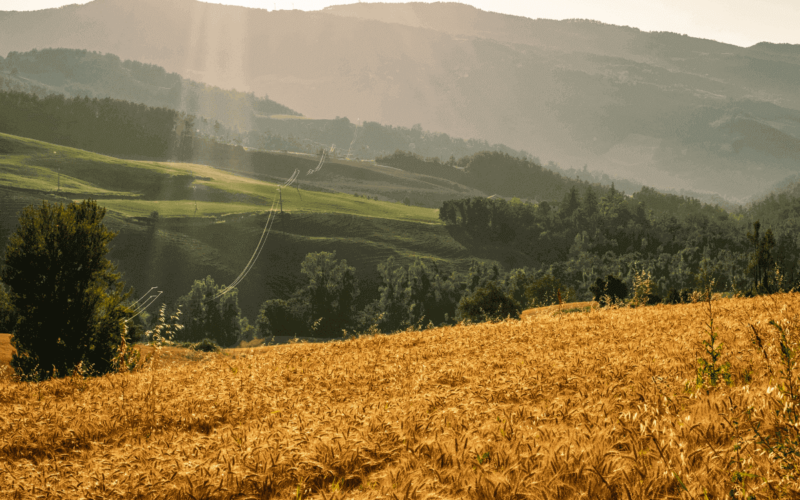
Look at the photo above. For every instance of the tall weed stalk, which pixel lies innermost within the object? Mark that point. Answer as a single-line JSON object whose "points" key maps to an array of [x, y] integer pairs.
{"points": [[711, 371], [162, 334], [776, 424]]}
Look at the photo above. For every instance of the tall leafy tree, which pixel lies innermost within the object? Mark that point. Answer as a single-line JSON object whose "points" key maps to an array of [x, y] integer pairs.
{"points": [[218, 319], [762, 264], [323, 307], [329, 293], [570, 204], [66, 293]]}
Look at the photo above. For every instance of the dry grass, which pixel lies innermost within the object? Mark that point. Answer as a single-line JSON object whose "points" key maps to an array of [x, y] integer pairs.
{"points": [[570, 306], [5, 349], [583, 405]]}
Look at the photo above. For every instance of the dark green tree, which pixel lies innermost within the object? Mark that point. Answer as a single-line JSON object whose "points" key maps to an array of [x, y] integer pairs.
{"points": [[218, 319], [488, 303], [283, 317], [516, 282], [589, 205], [787, 254], [762, 264], [570, 204], [329, 294], [68, 297], [321, 308]]}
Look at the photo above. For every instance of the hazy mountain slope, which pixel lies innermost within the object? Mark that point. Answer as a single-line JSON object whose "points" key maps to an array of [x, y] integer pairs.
{"points": [[230, 116], [670, 110]]}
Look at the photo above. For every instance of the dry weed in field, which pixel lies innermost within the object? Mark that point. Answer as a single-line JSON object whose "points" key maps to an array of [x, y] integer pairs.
{"points": [[598, 404], [5, 349]]}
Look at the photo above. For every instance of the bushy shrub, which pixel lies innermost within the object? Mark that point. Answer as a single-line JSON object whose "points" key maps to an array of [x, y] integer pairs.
{"points": [[547, 291], [675, 296], [609, 291], [206, 345], [643, 290], [282, 317]]}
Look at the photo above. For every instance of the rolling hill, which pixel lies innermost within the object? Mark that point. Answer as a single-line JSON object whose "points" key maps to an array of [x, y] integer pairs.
{"points": [[209, 221], [675, 111]]}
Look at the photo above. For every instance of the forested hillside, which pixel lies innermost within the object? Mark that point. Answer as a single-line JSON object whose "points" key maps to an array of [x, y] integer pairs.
{"points": [[675, 239], [228, 116], [91, 74]]}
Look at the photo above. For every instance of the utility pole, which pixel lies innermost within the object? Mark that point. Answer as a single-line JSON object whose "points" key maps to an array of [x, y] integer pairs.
{"points": [[59, 180], [280, 196]]}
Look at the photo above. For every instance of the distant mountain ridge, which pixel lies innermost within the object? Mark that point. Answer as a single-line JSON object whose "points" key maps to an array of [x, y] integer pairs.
{"points": [[672, 111]]}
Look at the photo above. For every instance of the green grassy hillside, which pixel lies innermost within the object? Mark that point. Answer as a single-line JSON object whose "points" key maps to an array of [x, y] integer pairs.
{"points": [[179, 246], [135, 188]]}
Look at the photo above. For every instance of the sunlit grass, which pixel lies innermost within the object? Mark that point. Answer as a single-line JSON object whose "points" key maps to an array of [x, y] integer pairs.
{"points": [[177, 208], [47, 180]]}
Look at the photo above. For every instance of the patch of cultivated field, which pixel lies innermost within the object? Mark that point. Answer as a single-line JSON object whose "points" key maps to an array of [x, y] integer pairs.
{"points": [[582, 405]]}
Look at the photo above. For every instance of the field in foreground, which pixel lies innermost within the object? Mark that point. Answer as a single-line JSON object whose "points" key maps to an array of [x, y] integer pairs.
{"points": [[581, 405]]}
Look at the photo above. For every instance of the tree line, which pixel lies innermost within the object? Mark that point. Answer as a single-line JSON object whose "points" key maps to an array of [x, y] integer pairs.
{"points": [[105, 126]]}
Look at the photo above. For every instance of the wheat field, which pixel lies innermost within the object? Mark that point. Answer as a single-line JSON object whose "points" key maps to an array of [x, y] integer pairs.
{"points": [[599, 404]]}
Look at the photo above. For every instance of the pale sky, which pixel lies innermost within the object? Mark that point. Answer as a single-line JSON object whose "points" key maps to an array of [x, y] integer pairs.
{"points": [[740, 22]]}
